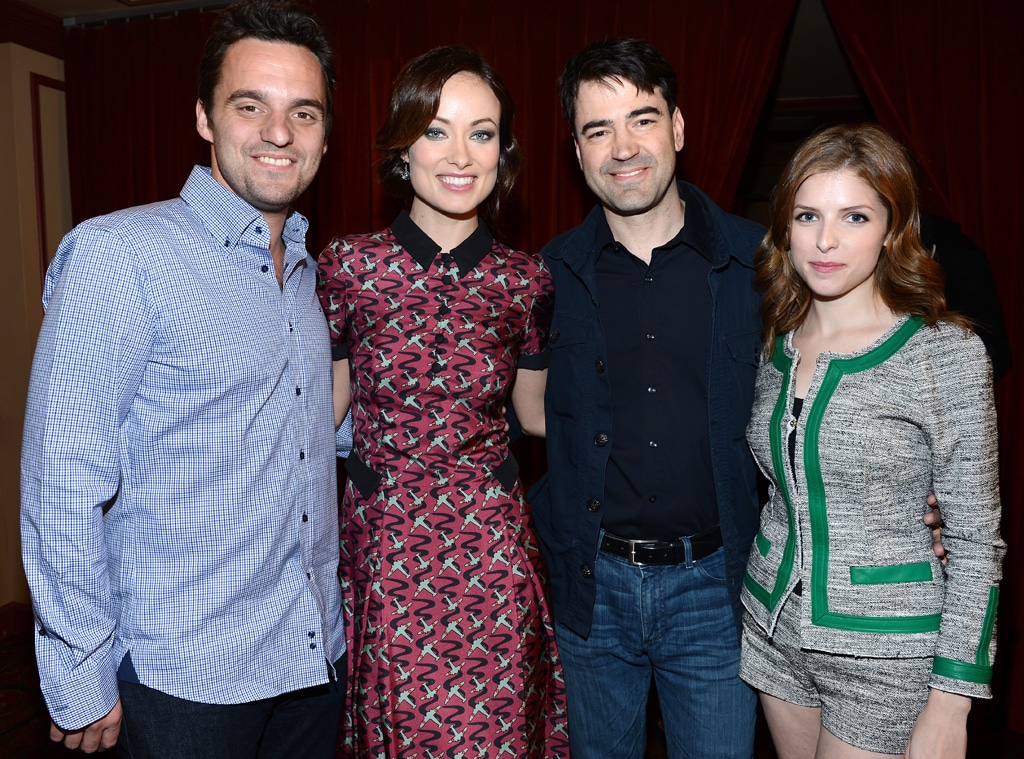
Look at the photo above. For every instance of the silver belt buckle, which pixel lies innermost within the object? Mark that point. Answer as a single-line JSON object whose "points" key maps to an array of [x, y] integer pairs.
{"points": [[632, 551]]}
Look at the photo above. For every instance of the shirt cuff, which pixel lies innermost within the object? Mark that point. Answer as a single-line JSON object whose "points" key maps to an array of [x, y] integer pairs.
{"points": [[343, 437]]}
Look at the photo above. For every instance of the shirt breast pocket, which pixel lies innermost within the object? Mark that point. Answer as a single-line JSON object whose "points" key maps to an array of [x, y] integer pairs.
{"points": [[742, 349]]}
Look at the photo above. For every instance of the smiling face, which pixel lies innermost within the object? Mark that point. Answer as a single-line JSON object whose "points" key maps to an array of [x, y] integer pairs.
{"points": [[626, 144], [837, 230], [453, 166], [266, 122]]}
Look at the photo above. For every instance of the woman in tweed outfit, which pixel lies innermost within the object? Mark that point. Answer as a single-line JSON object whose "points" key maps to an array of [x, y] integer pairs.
{"points": [[870, 395]]}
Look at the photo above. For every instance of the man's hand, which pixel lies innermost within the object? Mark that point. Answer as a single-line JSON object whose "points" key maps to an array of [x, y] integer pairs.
{"points": [[933, 519], [99, 736]]}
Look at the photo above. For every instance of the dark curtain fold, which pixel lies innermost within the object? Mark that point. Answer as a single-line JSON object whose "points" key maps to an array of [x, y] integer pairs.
{"points": [[132, 90], [947, 78]]}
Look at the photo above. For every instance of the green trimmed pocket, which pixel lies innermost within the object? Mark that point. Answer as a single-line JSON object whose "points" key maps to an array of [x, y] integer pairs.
{"points": [[920, 571]]}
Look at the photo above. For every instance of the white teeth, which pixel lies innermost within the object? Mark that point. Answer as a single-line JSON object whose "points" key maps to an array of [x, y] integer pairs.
{"points": [[629, 173], [457, 181], [274, 161]]}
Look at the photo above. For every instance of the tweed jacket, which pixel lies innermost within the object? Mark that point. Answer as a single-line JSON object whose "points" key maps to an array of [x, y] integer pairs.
{"points": [[881, 428]]}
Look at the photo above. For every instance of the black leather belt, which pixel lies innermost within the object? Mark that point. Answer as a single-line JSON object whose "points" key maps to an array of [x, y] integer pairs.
{"points": [[663, 552]]}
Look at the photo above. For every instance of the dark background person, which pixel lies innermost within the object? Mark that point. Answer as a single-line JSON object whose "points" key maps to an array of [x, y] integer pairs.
{"points": [[969, 285]]}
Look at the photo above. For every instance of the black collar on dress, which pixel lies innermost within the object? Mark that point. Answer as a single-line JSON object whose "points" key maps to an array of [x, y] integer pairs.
{"points": [[467, 254]]}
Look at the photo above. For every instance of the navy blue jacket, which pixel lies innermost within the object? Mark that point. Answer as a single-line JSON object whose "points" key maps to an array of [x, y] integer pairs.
{"points": [[567, 501]]}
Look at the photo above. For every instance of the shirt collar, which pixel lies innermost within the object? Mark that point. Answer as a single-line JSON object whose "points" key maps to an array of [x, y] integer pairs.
{"points": [[227, 217], [695, 232], [467, 254]]}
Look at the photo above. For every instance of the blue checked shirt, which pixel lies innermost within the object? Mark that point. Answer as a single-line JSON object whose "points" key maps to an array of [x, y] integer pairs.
{"points": [[179, 501]]}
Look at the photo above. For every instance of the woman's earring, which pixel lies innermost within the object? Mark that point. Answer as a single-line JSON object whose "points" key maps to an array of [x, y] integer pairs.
{"points": [[405, 172]]}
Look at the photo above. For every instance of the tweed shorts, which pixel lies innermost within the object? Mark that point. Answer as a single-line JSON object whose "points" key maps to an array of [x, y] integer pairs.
{"points": [[869, 703]]}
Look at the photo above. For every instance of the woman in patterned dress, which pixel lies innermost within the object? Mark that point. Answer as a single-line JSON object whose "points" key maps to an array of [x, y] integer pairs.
{"points": [[435, 328]]}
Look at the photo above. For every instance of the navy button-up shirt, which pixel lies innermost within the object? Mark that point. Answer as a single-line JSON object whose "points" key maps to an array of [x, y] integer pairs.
{"points": [[657, 329]]}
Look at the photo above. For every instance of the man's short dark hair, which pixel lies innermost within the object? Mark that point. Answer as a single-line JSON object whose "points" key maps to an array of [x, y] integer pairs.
{"points": [[269, 21], [620, 60]]}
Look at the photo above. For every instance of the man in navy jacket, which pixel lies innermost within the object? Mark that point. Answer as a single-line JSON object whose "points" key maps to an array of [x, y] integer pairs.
{"points": [[650, 503]]}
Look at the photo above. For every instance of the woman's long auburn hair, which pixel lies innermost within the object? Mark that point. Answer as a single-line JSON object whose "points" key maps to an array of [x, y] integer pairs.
{"points": [[906, 278]]}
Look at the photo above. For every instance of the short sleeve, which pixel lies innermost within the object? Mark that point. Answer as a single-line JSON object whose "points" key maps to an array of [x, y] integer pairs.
{"points": [[333, 281], [535, 353]]}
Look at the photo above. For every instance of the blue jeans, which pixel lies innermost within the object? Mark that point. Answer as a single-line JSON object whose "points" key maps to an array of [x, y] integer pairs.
{"points": [[675, 623], [302, 723]]}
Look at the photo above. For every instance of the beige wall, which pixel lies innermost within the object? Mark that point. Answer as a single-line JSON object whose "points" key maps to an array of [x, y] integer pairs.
{"points": [[20, 285]]}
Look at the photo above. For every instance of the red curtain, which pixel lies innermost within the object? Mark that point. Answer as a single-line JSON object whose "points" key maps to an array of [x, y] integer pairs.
{"points": [[947, 78], [131, 91], [131, 94]]}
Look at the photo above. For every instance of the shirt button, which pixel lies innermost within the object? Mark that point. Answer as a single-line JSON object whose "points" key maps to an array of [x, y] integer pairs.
{"points": [[652, 498], [312, 645], [438, 339], [648, 280], [586, 571], [650, 335], [652, 444], [302, 455], [553, 338], [259, 230], [298, 391], [264, 268], [305, 517], [312, 634], [446, 280], [601, 439], [599, 366], [444, 310], [438, 367], [652, 389], [593, 505]]}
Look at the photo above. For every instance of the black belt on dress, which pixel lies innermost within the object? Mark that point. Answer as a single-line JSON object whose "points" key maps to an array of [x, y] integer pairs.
{"points": [[663, 552]]}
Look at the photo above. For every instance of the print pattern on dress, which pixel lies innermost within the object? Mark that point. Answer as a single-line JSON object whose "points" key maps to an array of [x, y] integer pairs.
{"points": [[451, 641]]}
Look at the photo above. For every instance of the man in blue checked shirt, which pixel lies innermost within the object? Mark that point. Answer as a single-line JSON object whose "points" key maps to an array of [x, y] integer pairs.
{"points": [[179, 506]]}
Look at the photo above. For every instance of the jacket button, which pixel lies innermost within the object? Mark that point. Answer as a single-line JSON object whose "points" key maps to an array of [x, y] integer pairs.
{"points": [[599, 365], [553, 337], [586, 571], [601, 439], [593, 505]]}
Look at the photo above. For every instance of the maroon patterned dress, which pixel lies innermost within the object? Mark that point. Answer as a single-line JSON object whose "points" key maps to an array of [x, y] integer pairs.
{"points": [[451, 644]]}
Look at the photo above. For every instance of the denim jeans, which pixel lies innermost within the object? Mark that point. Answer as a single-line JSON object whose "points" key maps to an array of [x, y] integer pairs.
{"points": [[302, 723], [674, 623]]}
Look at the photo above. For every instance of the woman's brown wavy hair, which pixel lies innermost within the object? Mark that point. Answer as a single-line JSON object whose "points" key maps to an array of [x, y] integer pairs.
{"points": [[907, 279], [415, 97]]}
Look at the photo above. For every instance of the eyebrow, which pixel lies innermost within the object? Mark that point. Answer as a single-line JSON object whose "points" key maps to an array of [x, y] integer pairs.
{"points": [[645, 110], [859, 207], [485, 120], [261, 96]]}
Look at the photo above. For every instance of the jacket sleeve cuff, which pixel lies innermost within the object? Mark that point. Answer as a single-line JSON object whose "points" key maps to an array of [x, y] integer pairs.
{"points": [[963, 678]]}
